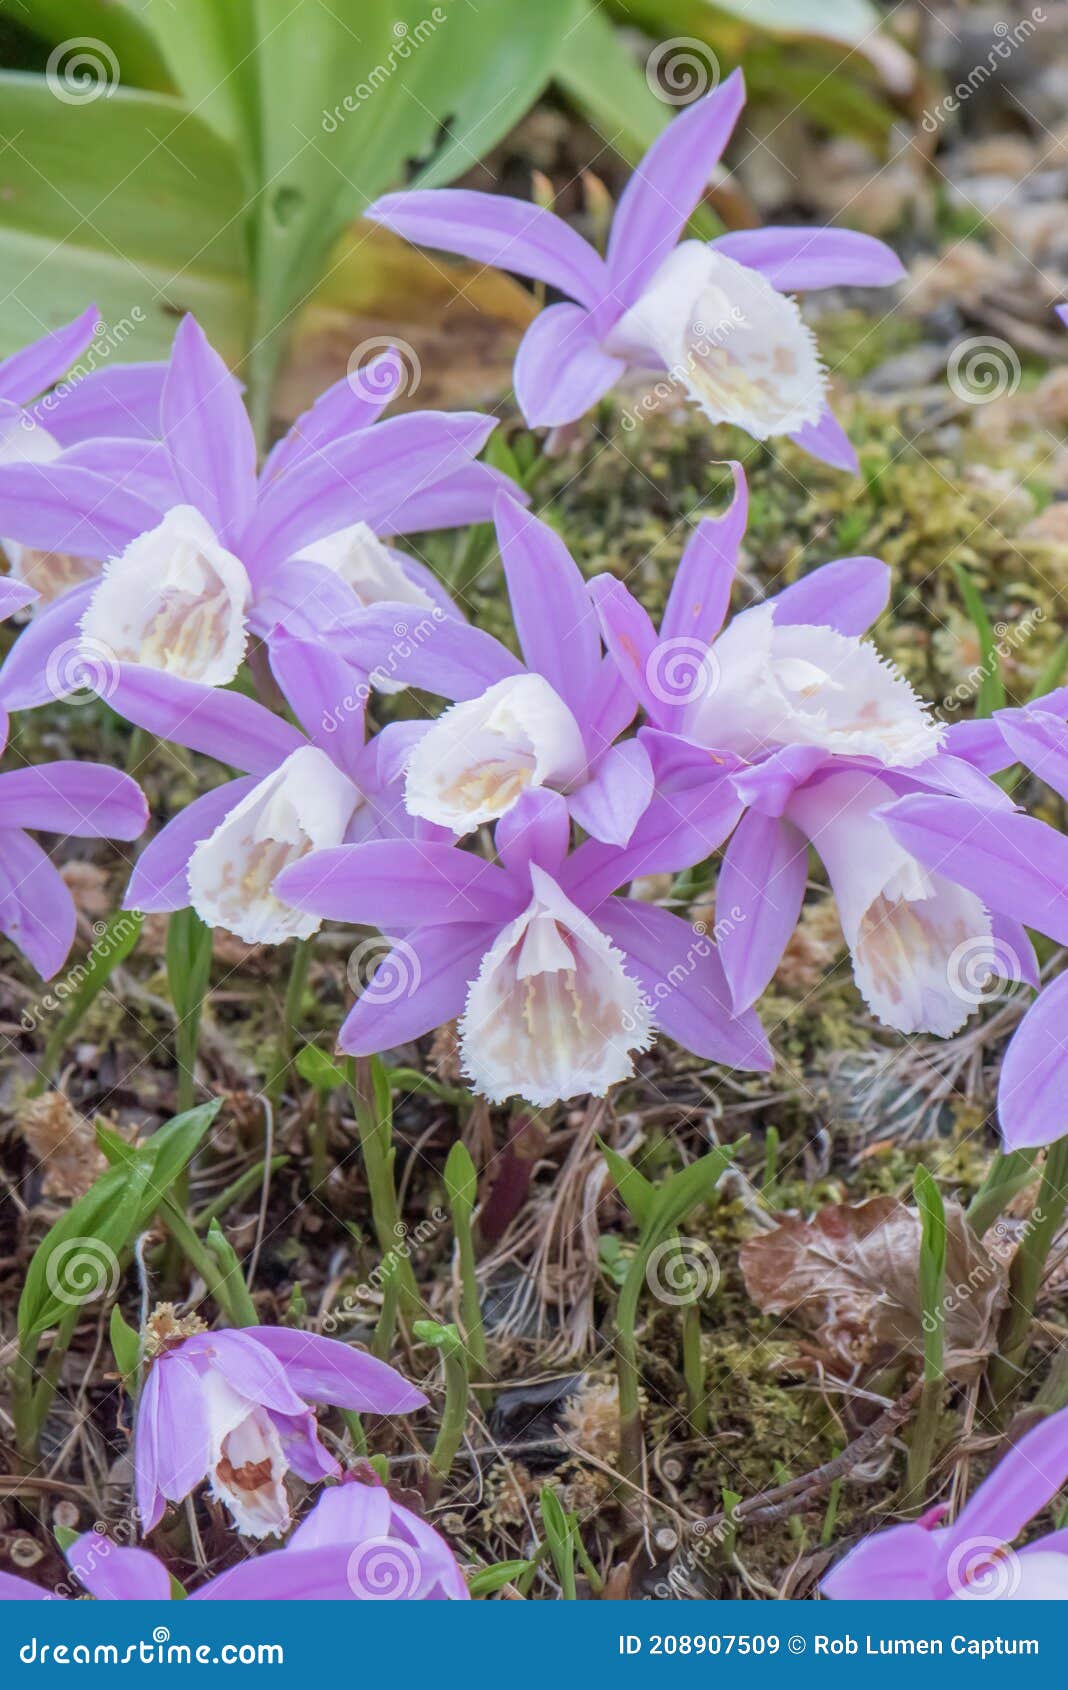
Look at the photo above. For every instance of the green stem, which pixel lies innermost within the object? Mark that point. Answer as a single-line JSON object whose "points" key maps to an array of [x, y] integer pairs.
{"points": [[226, 1285], [317, 1141], [922, 1447], [374, 1124], [693, 1368], [454, 1414], [1025, 1277], [356, 1432], [292, 1016], [628, 1373], [382, 1342], [1007, 1176]]}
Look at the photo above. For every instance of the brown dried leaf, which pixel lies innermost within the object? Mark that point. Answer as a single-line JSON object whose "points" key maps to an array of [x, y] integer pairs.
{"points": [[62, 1142], [851, 1275]]}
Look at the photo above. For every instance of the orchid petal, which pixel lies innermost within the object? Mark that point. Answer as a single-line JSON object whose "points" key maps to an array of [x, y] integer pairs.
{"points": [[428, 976], [36, 908], [35, 367], [493, 229], [391, 884], [226, 725], [561, 370], [701, 591], [1034, 1073], [208, 433], [81, 800], [667, 185], [796, 259], [759, 894], [612, 802], [160, 880], [847, 595], [555, 622]]}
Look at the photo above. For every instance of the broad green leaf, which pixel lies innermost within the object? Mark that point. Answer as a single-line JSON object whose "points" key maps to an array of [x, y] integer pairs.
{"points": [[129, 201], [320, 1070], [78, 1260], [106, 35], [638, 1193], [679, 1194], [210, 50], [560, 1536], [125, 1345], [461, 1179], [488, 1580]]}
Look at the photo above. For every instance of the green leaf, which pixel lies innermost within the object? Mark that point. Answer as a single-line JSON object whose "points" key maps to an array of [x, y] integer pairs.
{"points": [[991, 692], [320, 1070], [114, 37], [78, 1260], [932, 1268], [488, 1580], [560, 1536], [681, 1192], [188, 961], [129, 201], [461, 1179], [125, 1346], [637, 1192], [65, 1536], [112, 944], [598, 71]]}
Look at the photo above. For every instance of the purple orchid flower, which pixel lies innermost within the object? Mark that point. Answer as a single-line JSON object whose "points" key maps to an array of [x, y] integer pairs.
{"points": [[232, 1407], [928, 1562], [556, 981], [300, 792], [356, 1544], [199, 553], [75, 799], [717, 316], [1019, 865], [36, 425], [814, 733], [552, 724], [393, 1554]]}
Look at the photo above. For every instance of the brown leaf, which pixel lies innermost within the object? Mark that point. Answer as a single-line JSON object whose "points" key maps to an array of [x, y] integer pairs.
{"points": [[455, 325], [62, 1142], [851, 1275]]}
